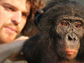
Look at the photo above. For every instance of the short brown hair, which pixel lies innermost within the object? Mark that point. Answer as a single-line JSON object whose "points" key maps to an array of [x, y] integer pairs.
{"points": [[30, 28]]}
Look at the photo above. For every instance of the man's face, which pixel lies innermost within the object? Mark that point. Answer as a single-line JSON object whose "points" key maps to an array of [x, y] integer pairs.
{"points": [[13, 15]]}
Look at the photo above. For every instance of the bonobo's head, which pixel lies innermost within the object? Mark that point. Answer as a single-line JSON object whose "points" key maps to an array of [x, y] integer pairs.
{"points": [[71, 29], [65, 23]]}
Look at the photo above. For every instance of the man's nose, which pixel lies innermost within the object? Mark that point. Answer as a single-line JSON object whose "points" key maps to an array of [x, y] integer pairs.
{"points": [[16, 18]]}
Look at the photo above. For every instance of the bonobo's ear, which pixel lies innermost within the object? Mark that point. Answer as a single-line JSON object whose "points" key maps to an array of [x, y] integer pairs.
{"points": [[38, 15]]}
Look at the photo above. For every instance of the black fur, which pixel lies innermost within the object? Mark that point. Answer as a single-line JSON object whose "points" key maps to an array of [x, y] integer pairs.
{"points": [[42, 48]]}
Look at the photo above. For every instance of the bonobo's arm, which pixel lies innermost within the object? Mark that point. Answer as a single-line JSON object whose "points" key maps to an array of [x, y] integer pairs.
{"points": [[33, 50], [6, 50]]}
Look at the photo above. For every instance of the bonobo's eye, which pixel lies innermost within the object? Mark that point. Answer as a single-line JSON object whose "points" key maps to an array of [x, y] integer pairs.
{"points": [[64, 23], [78, 25]]}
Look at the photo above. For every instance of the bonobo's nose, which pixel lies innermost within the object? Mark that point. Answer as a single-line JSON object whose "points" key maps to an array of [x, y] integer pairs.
{"points": [[71, 36], [71, 40]]}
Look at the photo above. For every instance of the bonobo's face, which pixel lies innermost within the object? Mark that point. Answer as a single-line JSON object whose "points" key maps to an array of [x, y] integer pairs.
{"points": [[71, 30]]}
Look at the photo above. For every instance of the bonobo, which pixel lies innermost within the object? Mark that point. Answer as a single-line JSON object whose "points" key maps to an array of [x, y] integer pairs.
{"points": [[61, 37]]}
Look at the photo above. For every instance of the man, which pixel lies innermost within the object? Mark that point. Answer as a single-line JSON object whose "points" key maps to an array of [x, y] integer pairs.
{"points": [[13, 18], [13, 15]]}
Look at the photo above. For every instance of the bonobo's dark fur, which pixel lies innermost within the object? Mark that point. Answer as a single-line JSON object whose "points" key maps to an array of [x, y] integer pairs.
{"points": [[61, 37]]}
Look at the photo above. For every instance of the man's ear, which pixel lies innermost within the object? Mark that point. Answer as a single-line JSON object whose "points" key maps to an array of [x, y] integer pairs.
{"points": [[38, 15]]}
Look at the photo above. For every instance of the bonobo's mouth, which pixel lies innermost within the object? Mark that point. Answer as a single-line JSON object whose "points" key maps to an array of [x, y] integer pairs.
{"points": [[70, 52]]}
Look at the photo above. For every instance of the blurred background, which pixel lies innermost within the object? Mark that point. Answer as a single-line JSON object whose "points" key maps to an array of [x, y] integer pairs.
{"points": [[79, 1]]}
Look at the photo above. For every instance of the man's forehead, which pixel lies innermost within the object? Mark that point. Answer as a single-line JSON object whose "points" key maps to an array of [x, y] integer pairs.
{"points": [[20, 4]]}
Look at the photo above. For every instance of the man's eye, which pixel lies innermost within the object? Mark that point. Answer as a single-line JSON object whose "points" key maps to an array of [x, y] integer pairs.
{"points": [[24, 15], [9, 8], [64, 23]]}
